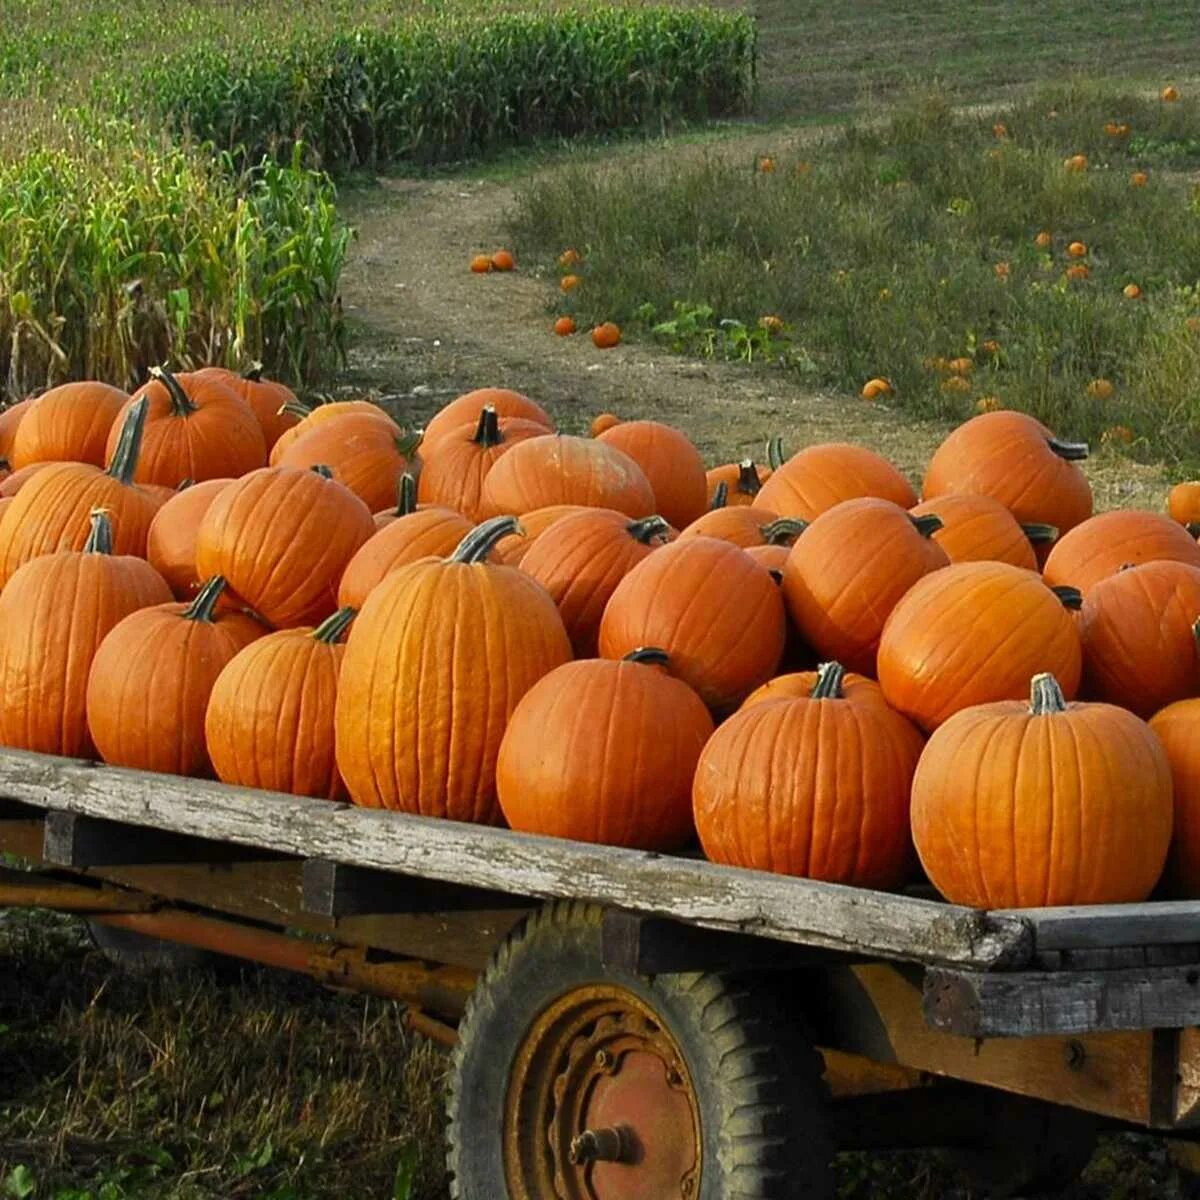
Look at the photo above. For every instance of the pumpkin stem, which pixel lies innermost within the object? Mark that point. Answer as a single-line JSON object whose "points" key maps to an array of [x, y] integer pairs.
{"points": [[296, 407], [1193, 527], [748, 480], [100, 536], [406, 494], [775, 458], [5, 465], [322, 470], [181, 404], [648, 654], [647, 529], [1041, 535], [776, 574], [926, 525], [720, 496], [407, 443], [1071, 451], [253, 372], [184, 484], [331, 629], [1071, 598], [784, 531], [829, 682], [201, 609], [129, 444], [479, 543], [487, 433], [1045, 696]]}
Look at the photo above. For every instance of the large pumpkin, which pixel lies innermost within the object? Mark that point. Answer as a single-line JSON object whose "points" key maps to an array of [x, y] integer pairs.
{"points": [[848, 571], [605, 752], [745, 526], [558, 469], [1101, 546], [670, 462], [54, 612], [273, 404], [972, 633], [799, 684], [1177, 727], [980, 529], [197, 428], [269, 722], [16, 480], [1016, 460], [1022, 804], [171, 539], [711, 607], [465, 410], [439, 657], [69, 423], [282, 537], [580, 561], [815, 787], [309, 417], [511, 550], [822, 476]]}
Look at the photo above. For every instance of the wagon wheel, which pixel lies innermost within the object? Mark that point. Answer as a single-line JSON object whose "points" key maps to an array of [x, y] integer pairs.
{"points": [[573, 1081]]}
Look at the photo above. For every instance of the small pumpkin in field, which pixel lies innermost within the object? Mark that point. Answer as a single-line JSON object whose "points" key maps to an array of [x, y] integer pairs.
{"points": [[150, 681], [503, 260], [481, 264], [1131, 291], [606, 335], [815, 786], [821, 476], [69, 423], [671, 464], [568, 283], [1077, 272], [1177, 727], [1183, 505], [467, 409], [273, 404], [980, 529], [441, 654], [1101, 389], [308, 418], [1169, 94], [1077, 249], [876, 388], [1044, 240], [564, 326], [604, 751], [171, 538], [1021, 804], [1139, 179], [269, 722], [1076, 162]]}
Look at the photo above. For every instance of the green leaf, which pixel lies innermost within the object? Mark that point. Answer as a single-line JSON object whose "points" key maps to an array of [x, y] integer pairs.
{"points": [[406, 1173], [20, 1182]]}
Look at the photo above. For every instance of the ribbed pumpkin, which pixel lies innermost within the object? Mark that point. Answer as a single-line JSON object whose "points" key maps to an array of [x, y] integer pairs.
{"points": [[406, 501], [772, 556], [601, 421], [1139, 630], [558, 469], [52, 509], [745, 526], [1016, 460], [973, 633], [1101, 546], [980, 529], [850, 569], [799, 684], [815, 787], [580, 561], [151, 677], [197, 428], [711, 607], [819, 477], [269, 722], [171, 539], [69, 423], [1183, 505], [670, 462], [439, 657], [512, 549], [282, 538], [1022, 804], [273, 404], [311, 417], [54, 613], [743, 480], [603, 751], [465, 410], [1177, 727], [15, 481], [10, 421], [364, 452], [453, 471]]}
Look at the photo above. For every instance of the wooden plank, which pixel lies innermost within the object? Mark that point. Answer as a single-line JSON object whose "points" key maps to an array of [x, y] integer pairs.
{"points": [[1112, 958], [698, 893], [72, 840], [1035, 1003], [1186, 1105], [1087, 926]]}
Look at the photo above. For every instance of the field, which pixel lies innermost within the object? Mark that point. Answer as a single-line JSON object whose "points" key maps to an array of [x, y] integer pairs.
{"points": [[199, 1086]]}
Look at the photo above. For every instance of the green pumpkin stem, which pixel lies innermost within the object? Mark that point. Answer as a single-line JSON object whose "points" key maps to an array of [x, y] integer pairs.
{"points": [[406, 494], [1045, 696], [927, 525], [748, 480], [487, 432], [331, 629], [129, 443], [783, 531], [481, 541], [100, 536], [202, 608], [829, 682], [1071, 598], [322, 470], [720, 496], [1071, 451], [648, 654], [647, 529], [775, 458], [407, 443], [181, 403], [253, 373], [1041, 535]]}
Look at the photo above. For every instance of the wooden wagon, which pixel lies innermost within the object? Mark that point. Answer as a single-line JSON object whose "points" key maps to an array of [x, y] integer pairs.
{"points": [[628, 1024]]}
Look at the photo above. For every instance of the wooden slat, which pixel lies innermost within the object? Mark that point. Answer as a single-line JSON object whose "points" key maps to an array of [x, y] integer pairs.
{"points": [[72, 840], [1094, 926], [699, 893]]}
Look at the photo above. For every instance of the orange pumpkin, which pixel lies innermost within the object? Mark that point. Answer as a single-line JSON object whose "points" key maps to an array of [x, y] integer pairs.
{"points": [[606, 335], [406, 501], [15, 481], [819, 477], [1183, 505], [980, 529], [772, 556], [273, 404], [1177, 727], [466, 410], [511, 549], [745, 526], [602, 422], [10, 421], [669, 461], [503, 260], [70, 423], [481, 264], [171, 539], [743, 480], [310, 418], [564, 326], [799, 684]]}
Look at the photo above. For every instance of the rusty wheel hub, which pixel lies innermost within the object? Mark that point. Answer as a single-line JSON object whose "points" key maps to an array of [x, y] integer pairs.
{"points": [[600, 1105]]}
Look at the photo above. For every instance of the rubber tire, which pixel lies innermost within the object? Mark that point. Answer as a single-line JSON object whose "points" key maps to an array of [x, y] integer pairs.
{"points": [[140, 954], [763, 1105]]}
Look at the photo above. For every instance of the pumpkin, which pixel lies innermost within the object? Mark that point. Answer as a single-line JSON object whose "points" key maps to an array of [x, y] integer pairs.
{"points": [[453, 472], [798, 684], [511, 550], [150, 680], [602, 422], [606, 335], [564, 326], [10, 421], [980, 529], [1077, 271], [269, 722], [406, 501], [15, 481], [848, 571], [503, 260], [466, 410], [713, 609], [51, 510], [1169, 94], [171, 539], [580, 561], [1077, 250], [310, 418], [1177, 727], [973, 633], [481, 264], [670, 462], [558, 469], [197, 428], [1101, 546], [1017, 461], [1139, 179], [1183, 505], [815, 787], [745, 526], [604, 752], [1022, 804], [54, 612], [1139, 630], [273, 404], [440, 655], [70, 423], [1131, 291], [873, 389], [568, 283], [821, 476], [773, 556], [282, 538], [743, 480], [1076, 162]]}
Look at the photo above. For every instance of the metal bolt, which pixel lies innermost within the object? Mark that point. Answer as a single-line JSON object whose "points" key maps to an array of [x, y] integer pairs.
{"points": [[599, 1145], [674, 1078]]}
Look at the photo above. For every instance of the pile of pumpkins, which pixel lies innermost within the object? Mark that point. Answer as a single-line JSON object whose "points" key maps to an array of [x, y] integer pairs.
{"points": [[797, 662]]}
